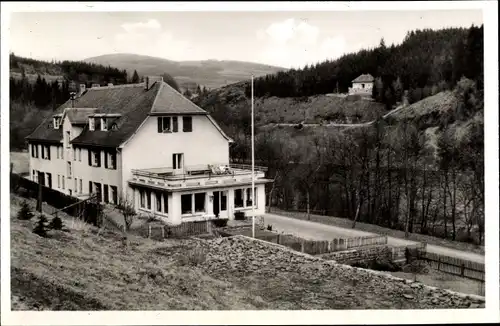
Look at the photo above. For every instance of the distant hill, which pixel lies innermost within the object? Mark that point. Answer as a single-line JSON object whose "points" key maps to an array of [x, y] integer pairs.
{"points": [[209, 73]]}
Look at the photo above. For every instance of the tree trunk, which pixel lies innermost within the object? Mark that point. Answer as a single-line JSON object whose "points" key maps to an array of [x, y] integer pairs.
{"points": [[308, 210], [39, 199], [356, 216]]}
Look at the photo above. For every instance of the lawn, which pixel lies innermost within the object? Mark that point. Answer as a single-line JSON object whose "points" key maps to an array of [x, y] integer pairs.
{"points": [[347, 223], [91, 269]]}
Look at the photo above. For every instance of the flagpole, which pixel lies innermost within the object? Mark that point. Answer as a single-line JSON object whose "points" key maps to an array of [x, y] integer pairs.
{"points": [[253, 174]]}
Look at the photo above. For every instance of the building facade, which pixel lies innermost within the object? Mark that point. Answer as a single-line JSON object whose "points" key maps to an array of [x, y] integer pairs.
{"points": [[147, 145], [362, 85]]}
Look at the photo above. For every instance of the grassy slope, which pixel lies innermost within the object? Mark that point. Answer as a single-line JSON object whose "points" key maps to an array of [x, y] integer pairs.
{"points": [[85, 269], [314, 109]]}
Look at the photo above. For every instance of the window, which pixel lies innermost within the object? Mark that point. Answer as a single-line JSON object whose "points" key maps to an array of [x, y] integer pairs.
{"points": [[57, 122], [223, 201], [79, 152], [187, 124], [238, 198], [58, 181], [110, 160], [164, 124], [34, 150], [35, 176], [90, 187], [165, 203], [94, 158], [62, 178], [142, 198], [76, 186], [98, 191], [249, 197], [69, 170], [74, 154], [46, 152], [177, 161], [187, 204], [49, 180], [104, 124], [68, 138], [106, 194], [97, 124], [81, 186], [145, 199], [199, 202], [175, 125], [114, 194], [158, 201]]}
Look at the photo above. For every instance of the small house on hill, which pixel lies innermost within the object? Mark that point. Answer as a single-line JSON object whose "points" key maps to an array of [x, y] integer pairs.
{"points": [[362, 85]]}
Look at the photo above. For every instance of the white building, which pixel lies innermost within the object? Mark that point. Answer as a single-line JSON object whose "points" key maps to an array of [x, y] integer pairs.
{"points": [[147, 144], [362, 85]]}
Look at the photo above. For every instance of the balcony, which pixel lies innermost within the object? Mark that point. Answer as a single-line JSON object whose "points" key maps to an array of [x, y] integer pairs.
{"points": [[198, 177]]}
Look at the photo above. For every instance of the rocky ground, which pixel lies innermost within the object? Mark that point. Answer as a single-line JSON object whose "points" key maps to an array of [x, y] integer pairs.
{"points": [[304, 282]]}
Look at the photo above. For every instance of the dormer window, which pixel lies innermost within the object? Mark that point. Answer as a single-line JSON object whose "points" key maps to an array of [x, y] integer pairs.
{"points": [[91, 123], [56, 122], [104, 124]]}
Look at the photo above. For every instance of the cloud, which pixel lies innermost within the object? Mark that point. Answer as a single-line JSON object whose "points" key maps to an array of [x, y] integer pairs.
{"points": [[292, 43], [148, 38], [151, 24]]}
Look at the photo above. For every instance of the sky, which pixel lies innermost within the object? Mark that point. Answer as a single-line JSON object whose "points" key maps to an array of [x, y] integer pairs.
{"points": [[285, 39]]}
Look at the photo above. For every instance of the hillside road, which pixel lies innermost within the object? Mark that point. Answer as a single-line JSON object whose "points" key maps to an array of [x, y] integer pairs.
{"points": [[318, 231]]}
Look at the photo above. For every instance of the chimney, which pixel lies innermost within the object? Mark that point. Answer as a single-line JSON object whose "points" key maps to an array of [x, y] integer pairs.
{"points": [[150, 80], [82, 89]]}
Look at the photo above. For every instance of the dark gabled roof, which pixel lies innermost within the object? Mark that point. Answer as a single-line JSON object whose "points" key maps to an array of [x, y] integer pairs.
{"points": [[132, 101], [79, 116], [169, 101], [365, 78]]}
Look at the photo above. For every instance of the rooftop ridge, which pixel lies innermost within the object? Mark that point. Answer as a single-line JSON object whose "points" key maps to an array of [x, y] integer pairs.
{"points": [[116, 86]]}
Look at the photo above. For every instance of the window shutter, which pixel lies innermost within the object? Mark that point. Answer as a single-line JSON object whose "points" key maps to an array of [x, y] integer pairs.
{"points": [[98, 153], [90, 157], [48, 154], [43, 151], [90, 186], [175, 125], [160, 125], [106, 160]]}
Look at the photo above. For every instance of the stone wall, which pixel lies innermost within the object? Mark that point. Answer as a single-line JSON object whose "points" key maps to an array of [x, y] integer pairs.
{"points": [[359, 254]]}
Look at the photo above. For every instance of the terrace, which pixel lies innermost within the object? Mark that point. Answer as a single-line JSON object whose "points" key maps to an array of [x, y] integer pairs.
{"points": [[198, 176]]}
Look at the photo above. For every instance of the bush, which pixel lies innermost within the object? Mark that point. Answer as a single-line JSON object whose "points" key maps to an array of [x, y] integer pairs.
{"points": [[193, 257], [56, 223], [239, 216], [41, 226], [220, 223], [25, 212]]}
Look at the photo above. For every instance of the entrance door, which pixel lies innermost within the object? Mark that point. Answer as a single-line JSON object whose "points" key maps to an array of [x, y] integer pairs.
{"points": [[216, 203], [220, 203]]}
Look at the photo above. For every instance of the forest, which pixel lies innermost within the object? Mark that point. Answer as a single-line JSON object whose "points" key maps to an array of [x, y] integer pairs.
{"points": [[425, 63], [421, 170]]}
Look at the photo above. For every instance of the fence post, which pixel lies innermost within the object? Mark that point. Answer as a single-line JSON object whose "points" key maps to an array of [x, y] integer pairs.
{"points": [[302, 245], [149, 230], [278, 239]]}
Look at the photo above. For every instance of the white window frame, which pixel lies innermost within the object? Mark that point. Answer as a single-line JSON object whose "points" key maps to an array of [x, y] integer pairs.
{"points": [[104, 126], [95, 156], [91, 123], [178, 158]]}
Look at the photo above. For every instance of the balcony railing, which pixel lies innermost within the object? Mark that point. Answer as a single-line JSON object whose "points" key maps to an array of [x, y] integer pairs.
{"points": [[199, 171]]}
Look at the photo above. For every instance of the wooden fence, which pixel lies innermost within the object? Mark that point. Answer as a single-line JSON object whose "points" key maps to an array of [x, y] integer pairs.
{"points": [[455, 266], [90, 212], [186, 229]]}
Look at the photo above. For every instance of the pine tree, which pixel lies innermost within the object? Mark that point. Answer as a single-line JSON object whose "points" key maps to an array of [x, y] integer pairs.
{"points": [[25, 212], [41, 226], [135, 77], [56, 223]]}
